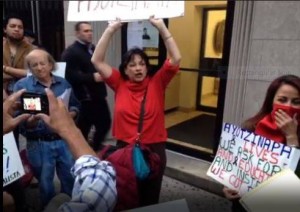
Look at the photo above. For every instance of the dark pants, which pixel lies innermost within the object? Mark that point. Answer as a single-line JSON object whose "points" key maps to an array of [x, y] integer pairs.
{"points": [[17, 191], [149, 190], [237, 206], [97, 114]]}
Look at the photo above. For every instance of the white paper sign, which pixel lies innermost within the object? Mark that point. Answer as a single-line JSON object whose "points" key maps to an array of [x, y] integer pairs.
{"points": [[125, 10], [65, 96], [12, 164], [60, 69], [245, 160]]}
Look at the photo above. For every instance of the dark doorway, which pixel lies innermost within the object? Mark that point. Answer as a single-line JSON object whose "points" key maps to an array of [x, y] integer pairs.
{"points": [[212, 39], [212, 71]]}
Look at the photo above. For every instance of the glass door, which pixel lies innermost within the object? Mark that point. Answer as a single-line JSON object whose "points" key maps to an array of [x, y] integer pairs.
{"points": [[210, 59]]}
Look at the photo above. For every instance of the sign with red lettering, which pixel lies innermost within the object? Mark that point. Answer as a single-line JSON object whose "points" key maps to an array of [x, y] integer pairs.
{"points": [[244, 159], [125, 10]]}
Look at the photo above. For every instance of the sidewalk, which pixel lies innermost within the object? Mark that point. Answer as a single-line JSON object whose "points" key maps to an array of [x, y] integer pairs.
{"points": [[192, 171], [185, 178]]}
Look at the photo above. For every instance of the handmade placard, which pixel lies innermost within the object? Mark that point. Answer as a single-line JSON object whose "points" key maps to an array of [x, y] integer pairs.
{"points": [[244, 160]]}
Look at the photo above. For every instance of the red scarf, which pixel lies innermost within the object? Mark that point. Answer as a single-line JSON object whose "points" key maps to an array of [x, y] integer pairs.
{"points": [[267, 127]]}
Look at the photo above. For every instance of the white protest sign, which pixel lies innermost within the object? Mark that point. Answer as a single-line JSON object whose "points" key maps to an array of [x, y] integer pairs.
{"points": [[65, 96], [244, 159], [60, 69], [125, 10], [12, 164]]}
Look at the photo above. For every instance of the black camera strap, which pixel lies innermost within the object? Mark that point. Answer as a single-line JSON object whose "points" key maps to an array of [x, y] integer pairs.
{"points": [[141, 118]]}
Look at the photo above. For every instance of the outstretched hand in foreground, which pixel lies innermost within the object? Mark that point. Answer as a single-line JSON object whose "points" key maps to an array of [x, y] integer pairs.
{"points": [[61, 122]]}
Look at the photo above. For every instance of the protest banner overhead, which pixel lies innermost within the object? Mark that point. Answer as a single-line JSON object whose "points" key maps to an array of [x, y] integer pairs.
{"points": [[125, 10], [244, 160]]}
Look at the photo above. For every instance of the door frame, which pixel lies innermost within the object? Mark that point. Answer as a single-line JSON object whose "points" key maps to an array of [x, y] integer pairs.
{"points": [[208, 67], [220, 72]]}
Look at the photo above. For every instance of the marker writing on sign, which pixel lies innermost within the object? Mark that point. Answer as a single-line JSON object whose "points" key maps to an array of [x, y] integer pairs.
{"points": [[7, 163]]}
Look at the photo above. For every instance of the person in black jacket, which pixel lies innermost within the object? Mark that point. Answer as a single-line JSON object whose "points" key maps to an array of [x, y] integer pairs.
{"points": [[88, 85]]}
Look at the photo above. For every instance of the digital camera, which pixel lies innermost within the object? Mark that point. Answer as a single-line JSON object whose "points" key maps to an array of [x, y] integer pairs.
{"points": [[34, 103]]}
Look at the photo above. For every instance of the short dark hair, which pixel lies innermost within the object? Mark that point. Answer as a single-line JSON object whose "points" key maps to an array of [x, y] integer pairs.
{"points": [[11, 16], [77, 25], [128, 56]]}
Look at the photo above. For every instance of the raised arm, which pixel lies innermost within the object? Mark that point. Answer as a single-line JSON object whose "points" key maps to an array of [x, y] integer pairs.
{"points": [[171, 46], [98, 58]]}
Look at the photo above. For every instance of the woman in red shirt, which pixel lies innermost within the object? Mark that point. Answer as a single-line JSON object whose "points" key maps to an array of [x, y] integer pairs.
{"points": [[278, 119], [130, 84]]}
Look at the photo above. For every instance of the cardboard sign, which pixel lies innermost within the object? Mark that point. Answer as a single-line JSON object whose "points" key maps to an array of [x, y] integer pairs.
{"points": [[244, 160], [125, 10], [12, 164]]}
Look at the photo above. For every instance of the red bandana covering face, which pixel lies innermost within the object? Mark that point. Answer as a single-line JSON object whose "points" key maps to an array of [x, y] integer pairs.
{"points": [[267, 126]]}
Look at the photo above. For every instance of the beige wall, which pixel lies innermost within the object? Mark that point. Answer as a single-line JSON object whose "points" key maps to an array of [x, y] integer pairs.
{"points": [[187, 32]]}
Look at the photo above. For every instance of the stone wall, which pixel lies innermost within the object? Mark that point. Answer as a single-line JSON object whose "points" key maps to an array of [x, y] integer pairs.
{"points": [[265, 45]]}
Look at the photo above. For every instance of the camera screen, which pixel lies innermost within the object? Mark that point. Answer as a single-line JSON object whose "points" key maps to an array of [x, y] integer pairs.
{"points": [[32, 103]]}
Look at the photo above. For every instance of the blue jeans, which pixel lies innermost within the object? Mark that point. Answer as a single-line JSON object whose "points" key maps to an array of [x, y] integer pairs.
{"points": [[45, 156]]}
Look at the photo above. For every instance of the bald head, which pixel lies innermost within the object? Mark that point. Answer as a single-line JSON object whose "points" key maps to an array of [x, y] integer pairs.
{"points": [[39, 53]]}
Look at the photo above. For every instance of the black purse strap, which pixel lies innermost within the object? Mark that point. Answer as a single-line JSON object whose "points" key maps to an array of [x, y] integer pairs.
{"points": [[141, 118]]}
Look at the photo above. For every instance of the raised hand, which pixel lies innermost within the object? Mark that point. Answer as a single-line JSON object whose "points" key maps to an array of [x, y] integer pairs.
{"points": [[288, 125], [59, 119], [62, 123], [115, 25], [156, 22]]}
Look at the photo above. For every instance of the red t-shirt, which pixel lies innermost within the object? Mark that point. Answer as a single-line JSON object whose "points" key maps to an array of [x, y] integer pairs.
{"points": [[128, 98]]}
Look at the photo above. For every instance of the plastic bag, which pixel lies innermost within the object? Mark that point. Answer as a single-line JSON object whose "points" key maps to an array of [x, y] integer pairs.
{"points": [[140, 165]]}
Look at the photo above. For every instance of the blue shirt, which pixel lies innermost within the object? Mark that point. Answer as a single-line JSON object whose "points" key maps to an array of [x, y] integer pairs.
{"points": [[94, 188], [59, 87]]}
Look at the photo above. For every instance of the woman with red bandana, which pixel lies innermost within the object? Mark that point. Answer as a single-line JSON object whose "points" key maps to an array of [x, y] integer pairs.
{"points": [[278, 119]]}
